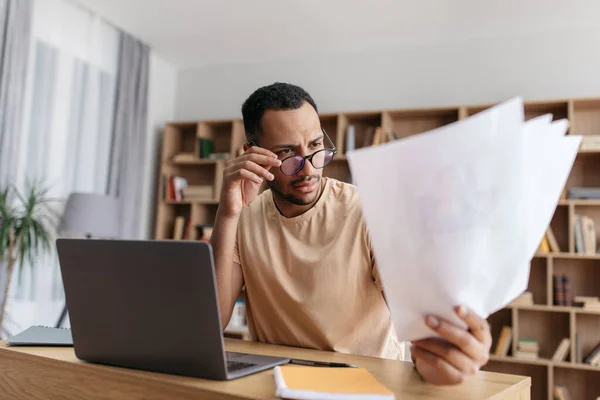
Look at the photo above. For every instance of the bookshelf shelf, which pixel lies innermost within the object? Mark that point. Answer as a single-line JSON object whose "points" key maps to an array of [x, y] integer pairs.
{"points": [[543, 321]]}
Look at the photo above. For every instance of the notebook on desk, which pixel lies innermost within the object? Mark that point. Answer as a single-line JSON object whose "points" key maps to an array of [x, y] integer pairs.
{"points": [[42, 336], [308, 383]]}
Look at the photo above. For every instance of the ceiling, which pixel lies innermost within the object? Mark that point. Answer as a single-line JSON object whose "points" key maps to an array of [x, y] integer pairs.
{"points": [[191, 33]]}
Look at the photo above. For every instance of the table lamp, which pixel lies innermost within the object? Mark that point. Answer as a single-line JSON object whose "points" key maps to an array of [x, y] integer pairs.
{"points": [[89, 215]]}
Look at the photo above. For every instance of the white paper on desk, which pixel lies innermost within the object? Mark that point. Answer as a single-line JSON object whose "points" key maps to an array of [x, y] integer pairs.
{"points": [[447, 216]]}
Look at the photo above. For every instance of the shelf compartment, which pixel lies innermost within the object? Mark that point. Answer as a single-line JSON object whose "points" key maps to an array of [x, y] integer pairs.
{"points": [[594, 213], [497, 321], [584, 275], [220, 132], [538, 374], [167, 215], [406, 123], [548, 328], [586, 117], [179, 138], [582, 384], [363, 125], [584, 172]]}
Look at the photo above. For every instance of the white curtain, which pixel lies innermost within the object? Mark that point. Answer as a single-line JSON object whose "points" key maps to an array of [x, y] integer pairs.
{"points": [[68, 119]]}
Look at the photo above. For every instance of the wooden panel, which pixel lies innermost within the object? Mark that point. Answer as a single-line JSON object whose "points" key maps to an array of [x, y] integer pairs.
{"points": [[588, 326], [586, 117], [411, 122], [584, 275], [559, 110], [560, 227], [538, 374], [538, 279], [475, 109], [238, 138], [548, 328], [581, 384]]}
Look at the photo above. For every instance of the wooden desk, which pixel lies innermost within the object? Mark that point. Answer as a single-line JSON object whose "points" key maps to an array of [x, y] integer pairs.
{"points": [[55, 373]]}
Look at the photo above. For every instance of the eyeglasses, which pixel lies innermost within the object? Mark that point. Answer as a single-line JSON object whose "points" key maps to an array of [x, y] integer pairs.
{"points": [[319, 159]]}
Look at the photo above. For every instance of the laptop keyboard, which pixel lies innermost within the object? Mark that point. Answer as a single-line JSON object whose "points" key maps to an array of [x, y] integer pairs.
{"points": [[233, 366]]}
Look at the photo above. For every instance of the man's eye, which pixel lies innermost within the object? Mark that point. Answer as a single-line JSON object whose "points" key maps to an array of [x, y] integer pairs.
{"points": [[283, 152], [316, 144]]}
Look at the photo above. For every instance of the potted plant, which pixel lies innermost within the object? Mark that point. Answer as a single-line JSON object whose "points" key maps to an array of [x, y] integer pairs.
{"points": [[27, 224]]}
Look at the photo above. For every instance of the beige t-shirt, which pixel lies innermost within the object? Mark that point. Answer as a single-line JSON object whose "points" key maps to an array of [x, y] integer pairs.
{"points": [[311, 280]]}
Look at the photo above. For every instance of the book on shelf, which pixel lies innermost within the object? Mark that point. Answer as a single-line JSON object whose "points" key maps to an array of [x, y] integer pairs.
{"points": [[350, 138], [179, 228], [504, 340], [585, 235], [583, 193], [552, 242], [587, 302], [593, 357], [544, 245], [198, 192], [562, 351], [205, 147], [561, 290], [578, 348], [528, 349], [219, 156], [561, 393], [525, 299], [204, 232]]}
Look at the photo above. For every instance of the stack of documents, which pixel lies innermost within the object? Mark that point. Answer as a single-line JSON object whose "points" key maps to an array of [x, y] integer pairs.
{"points": [[456, 214]]}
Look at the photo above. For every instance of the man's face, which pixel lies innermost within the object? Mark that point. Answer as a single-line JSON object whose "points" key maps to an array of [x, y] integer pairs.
{"points": [[294, 132]]}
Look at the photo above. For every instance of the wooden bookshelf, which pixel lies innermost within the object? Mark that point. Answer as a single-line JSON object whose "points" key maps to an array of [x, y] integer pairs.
{"points": [[543, 321]]}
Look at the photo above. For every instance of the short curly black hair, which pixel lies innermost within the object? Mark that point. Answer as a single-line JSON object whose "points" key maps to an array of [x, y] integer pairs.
{"points": [[278, 96]]}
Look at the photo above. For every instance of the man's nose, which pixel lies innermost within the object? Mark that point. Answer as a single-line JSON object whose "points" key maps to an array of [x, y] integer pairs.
{"points": [[307, 169]]}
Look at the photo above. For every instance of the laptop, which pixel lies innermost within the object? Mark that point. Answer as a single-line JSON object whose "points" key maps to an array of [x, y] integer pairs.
{"points": [[149, 305]]}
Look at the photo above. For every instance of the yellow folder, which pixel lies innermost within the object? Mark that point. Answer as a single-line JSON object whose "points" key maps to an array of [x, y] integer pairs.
{"points": [[300, 382]]}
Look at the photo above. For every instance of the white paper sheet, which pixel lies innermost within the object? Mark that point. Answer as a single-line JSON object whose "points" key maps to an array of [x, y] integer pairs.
{"points": [[450, 211]]}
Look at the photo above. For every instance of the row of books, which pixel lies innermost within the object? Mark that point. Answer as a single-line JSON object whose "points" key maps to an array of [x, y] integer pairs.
{"points": [[529, 349], [585, 235], [184, 230], [176, 188]]}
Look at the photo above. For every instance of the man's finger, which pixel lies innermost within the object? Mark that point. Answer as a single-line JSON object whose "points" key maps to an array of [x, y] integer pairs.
{"points": [[449, 353], [478, 326], [260, 150], [459, 337], [444, 372]]}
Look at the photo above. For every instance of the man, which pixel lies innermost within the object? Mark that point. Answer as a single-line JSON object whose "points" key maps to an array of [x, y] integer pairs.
{"points": [[302, 252]]}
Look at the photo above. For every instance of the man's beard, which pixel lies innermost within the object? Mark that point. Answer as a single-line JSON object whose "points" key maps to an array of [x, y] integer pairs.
{"points": [[293, 199]]}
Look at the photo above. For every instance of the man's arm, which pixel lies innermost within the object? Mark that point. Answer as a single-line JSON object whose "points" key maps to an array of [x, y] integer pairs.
{"points": [[228, 273], [242, 178]]}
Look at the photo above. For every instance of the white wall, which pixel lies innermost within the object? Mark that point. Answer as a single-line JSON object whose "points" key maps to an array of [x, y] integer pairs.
{"points": [[161, 109], [545, 65]]}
